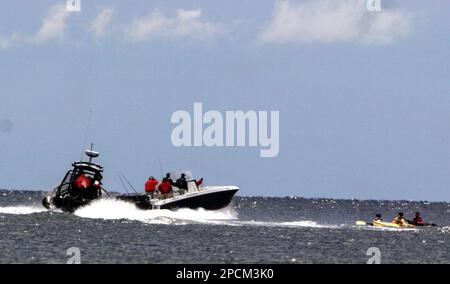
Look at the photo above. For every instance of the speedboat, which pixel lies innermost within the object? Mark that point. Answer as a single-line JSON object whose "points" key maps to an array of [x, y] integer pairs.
{"points": [[80, 186], [207, 197], [83, 184]]}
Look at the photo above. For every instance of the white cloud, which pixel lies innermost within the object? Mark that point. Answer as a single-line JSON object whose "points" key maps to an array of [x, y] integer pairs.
{"points": [[101, 23], [387, 26], [52, 28], [6, 42], [53, 25], [186, 23], [334, 21]]}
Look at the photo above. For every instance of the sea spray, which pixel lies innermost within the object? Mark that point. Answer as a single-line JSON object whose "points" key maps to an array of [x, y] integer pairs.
{"points": [[111, 209], [20, 210]]}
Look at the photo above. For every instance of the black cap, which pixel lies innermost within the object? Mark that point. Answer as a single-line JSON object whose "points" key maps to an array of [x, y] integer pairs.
{"points": [[378, 215]]}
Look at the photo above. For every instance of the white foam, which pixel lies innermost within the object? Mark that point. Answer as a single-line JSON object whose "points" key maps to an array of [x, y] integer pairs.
{"points": [[20, 210], [293, 224], [311, 224], [112, 209], [373, 228]]}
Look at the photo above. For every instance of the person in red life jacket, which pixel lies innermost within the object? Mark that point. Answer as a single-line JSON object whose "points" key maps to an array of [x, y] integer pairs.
{"points": [[97, 185], [150, 187], [165, 188], [199, 182], [82, 181], [418, 221], [169, 179]]}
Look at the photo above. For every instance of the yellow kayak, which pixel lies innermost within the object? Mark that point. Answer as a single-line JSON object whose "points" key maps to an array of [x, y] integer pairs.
{"points": [[391, 225]]}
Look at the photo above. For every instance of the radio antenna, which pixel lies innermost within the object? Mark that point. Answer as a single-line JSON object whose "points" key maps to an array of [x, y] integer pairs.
{"points": [[86, 134], [123, 183], [129, 183], [160, 166]]}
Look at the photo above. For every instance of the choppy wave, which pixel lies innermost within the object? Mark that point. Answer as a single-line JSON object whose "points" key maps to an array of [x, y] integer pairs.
{"points": [[20, 210]]}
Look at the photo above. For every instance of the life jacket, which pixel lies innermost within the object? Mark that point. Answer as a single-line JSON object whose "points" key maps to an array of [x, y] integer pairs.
{"points": [[82, 181], [400, 221], [97, 184], [150, 185], [418, 221], [165, 187]]}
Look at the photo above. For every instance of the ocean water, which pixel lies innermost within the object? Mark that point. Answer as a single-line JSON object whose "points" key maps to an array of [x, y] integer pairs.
{"points": [[250, 230]]}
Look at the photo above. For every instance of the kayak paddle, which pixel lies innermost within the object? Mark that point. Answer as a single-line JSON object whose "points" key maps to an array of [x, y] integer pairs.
{"points": [[363, 223]]}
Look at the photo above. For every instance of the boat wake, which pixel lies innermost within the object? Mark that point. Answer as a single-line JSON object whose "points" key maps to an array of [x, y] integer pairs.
{"points": [[111, 209], [21, 210], [293, 224]]}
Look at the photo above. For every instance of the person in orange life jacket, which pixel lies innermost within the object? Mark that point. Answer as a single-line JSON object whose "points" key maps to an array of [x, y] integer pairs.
{"points": [[399, 219], [82, 181], [150, 186], [165, 188], [418, 221]]}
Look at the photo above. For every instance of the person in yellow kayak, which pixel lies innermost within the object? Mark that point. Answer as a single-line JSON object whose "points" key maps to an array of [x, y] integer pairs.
{"points": [[400, 220], [378, 218]]}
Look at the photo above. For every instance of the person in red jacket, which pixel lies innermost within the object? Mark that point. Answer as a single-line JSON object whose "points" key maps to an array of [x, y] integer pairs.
{"points": [[150, 187], [199, 182], [418, 221], [82, 181], [165, 188]]}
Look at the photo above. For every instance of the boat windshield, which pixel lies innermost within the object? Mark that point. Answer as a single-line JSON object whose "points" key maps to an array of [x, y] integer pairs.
{"points": [[191, 184], [174, 175]]}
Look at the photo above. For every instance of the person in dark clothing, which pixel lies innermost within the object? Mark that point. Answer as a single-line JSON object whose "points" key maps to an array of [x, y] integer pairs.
{"points": [[182, 182], [378, 218]]}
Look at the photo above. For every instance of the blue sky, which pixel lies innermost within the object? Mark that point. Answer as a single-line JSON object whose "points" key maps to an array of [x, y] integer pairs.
{"points": [[364, 97]]}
